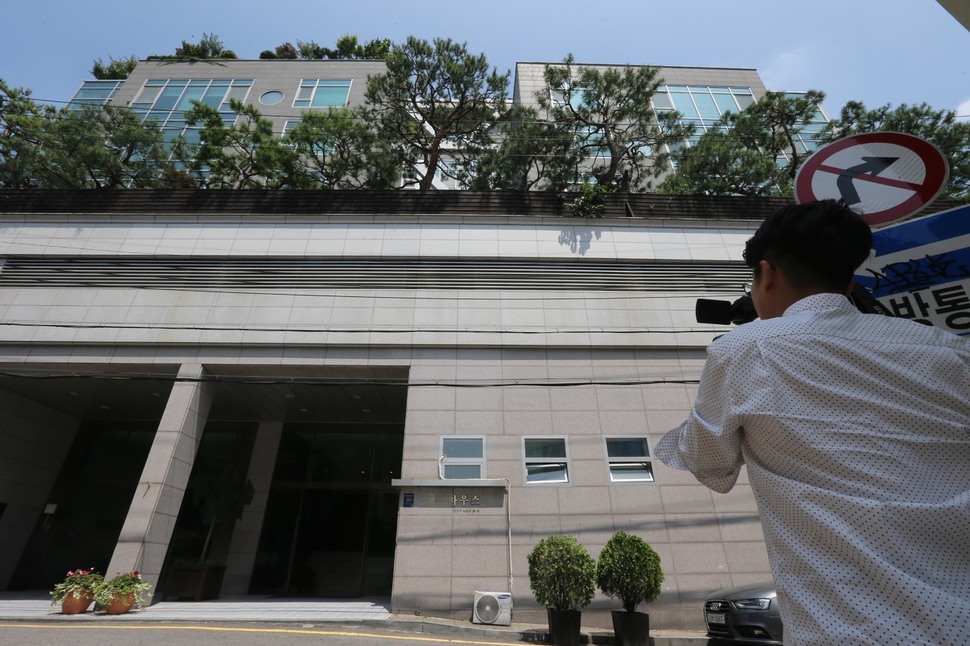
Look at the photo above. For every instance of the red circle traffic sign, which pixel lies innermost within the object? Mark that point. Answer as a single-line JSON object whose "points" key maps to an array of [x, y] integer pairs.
{"points": [[887, 176]]}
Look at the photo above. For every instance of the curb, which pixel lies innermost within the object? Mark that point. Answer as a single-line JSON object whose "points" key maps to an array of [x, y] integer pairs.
{"points": [[527, 633]]}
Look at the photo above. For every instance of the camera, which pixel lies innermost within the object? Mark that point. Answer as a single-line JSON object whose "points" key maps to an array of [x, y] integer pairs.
{"points": [[742, 310], [725, 312]]}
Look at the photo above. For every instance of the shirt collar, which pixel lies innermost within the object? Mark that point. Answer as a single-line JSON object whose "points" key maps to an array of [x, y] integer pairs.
{"points": [[816, 302]]}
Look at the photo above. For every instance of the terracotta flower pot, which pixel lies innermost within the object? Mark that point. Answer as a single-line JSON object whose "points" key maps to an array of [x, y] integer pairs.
{"points": [[119, 605], [75, 605]]}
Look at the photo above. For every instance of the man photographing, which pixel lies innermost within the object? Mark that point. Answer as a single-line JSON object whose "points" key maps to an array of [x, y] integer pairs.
{"points": [[855, 429]]}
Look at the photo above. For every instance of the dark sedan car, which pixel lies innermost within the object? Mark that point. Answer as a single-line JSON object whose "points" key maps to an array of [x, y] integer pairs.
{"points": [[747, 613]]}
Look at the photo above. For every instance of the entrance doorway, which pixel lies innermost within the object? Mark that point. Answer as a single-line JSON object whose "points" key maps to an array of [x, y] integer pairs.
{"points": [[331, 519], [89, 503]]}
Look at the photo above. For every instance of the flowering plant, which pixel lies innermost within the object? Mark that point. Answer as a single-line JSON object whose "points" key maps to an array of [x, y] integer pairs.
{"points": [[76, 584], [129, 584]]}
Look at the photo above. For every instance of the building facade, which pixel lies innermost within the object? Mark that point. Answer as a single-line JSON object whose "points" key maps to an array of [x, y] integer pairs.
{"points": [[419, 388]]}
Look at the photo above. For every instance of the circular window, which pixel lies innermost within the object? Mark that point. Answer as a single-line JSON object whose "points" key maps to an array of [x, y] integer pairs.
{"points": [[271, 98]]}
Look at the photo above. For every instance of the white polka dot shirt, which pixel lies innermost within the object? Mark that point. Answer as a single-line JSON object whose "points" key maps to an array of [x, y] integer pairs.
{"points": [[855, 429]]}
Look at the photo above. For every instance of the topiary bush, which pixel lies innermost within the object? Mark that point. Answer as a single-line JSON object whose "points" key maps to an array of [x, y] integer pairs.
{"points": [[562, 573], [629, 569]]}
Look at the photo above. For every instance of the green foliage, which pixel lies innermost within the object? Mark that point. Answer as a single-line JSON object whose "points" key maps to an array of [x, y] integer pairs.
{"points": [[751, 153], [337, 149], [562, 574], [76, 584], [284, 51], [770, 124], [610, 113], [88, 147], [436, 102], [346, 48], [246, 155], [440, 110], [590, 201], [100, 147], [129, 584], [629, 569], [719, 164], [22, 126], [310, 50], [531, 154], [115, 69], [210, 47], [939, 127]]}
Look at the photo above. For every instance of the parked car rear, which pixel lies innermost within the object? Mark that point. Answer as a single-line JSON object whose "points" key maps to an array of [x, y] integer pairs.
{"points": [[747, 613]]}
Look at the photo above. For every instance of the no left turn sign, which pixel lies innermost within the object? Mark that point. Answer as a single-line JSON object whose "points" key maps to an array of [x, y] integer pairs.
{"points": [[886, 176]]}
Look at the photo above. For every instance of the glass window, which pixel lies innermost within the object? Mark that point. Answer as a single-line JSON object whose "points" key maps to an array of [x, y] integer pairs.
{"points": [[95, 93], [166, 101], [238, 91], [213, 96], [705, 106], [191, 94], [661, 101], [628, 459], [725, 103], [192, 135], [546, 460], [683, 104], [744, 100], [271, 98], [322, 93], [326, 97], [578, 98], [148, 94], [169, 97], [462, 457], [575, 94]]}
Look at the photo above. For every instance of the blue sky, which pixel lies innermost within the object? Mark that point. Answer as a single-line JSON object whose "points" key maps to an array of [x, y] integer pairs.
{"points": [[875, 51]]}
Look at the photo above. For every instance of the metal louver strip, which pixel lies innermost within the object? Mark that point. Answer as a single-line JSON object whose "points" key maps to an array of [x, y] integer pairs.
{"points": [[310, 273]]}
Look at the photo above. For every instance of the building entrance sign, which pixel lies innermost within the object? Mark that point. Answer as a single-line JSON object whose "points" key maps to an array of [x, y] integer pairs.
{"points": [[887, 176]]}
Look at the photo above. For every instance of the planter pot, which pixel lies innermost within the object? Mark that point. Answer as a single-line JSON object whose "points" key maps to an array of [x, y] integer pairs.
{"points": [[564, 626], [631, 628], [119, 605], [72, 605]]}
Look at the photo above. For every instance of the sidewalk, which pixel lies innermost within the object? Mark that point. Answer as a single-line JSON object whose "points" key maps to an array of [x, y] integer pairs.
{"points": [[36, 607]]}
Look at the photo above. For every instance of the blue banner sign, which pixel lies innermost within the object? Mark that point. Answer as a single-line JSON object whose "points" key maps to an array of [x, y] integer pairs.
{"points": [[921, 269]]}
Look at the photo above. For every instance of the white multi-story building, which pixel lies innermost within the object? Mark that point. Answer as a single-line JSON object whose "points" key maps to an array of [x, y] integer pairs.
{"points": [[282, 90], [419, 386]]}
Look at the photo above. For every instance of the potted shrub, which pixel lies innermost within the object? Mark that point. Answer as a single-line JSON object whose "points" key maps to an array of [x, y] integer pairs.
{"points": [[563, 579], [76, 592], [629, 569], [221, 497], [121, 593]]}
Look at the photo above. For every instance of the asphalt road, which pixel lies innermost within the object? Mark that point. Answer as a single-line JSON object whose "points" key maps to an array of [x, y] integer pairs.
{"points": [[212, 634]]}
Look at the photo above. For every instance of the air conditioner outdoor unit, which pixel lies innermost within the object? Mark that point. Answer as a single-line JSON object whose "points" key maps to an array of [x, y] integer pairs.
{"points": [[492, 608]]}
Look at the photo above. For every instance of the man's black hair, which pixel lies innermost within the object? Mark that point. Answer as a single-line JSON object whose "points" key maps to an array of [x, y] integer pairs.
{"points": [[816, 245]]}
